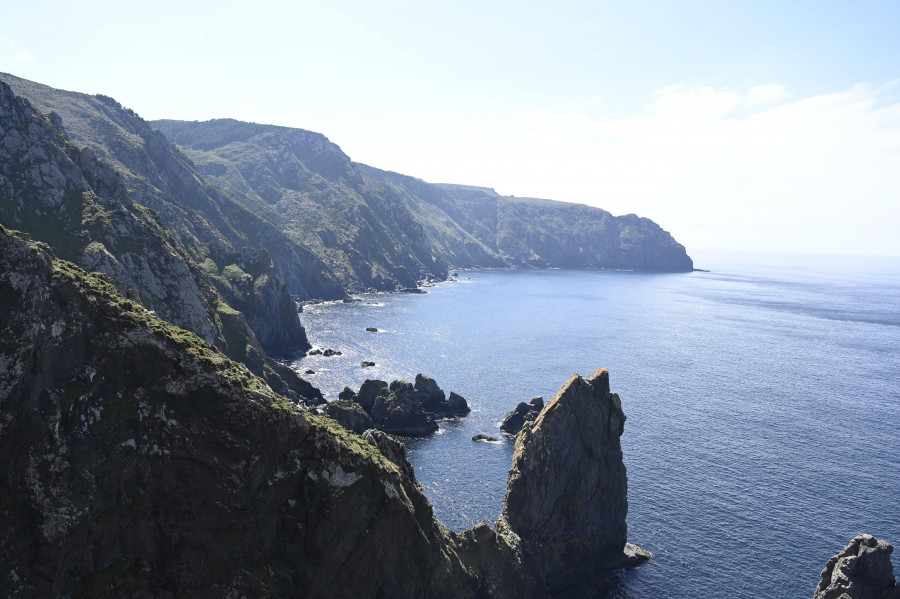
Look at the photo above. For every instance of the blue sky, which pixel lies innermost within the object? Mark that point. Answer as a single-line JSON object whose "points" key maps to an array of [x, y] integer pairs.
{"points": [[742, 125]]}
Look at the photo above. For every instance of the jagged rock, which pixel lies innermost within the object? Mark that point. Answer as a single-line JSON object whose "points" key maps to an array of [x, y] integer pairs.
{"points": [[862, 570], [402, 408], [456, 405], [350, 415], [570, 520], [428, 394], [367, 363], [524, 412], [433, 399], [484, 437], [331, 352], [393, 450]]}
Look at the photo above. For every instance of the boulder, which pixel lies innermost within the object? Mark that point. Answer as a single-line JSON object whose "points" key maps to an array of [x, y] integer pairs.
{"points": [[524, 412], [862, 570]]}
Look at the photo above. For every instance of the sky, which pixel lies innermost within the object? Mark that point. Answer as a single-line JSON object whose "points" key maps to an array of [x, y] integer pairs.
{"points": [[735, 124]]}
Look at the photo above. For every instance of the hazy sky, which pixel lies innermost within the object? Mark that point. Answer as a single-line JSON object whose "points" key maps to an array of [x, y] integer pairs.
{"points": [[734, 124]]}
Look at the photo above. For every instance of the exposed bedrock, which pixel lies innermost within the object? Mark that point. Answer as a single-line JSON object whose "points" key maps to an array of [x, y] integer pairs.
{"points": [[862, 570]]}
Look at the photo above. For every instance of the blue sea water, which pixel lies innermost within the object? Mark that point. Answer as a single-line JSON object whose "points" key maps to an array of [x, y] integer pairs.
{"points": [[763, 402]]}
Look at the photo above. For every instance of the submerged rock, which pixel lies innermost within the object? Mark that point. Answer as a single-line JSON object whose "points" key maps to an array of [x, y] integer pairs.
{"points": [[367, 364], [524, 412], [862, 570], [485, 438]]}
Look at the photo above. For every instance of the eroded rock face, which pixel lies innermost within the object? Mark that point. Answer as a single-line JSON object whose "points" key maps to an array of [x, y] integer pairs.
{"points": [[566, 497], [862, 570]]}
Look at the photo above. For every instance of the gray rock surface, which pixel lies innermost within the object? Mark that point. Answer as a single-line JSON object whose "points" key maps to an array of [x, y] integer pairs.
{"points": [[524, 412], [862, 570]]}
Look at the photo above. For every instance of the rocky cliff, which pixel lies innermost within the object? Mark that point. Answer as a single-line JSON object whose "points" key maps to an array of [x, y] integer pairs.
{"points": [[206, 221], [381, 230], [862, 570], [141, 461], [82, 207]]}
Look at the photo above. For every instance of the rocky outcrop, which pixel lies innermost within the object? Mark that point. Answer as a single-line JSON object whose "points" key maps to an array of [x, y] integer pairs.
{"points": [[433, 400], [570, 521], [524, 412], [406, 409], [862, 570]]}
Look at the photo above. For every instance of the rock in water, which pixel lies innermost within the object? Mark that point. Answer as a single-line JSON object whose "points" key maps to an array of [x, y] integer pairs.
{"points": [[862, 570], [524, 412], [566, 497]]}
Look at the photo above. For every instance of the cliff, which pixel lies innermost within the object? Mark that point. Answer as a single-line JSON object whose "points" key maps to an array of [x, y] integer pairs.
{"points": [[141, 461], [381, 230], [82, 207]]}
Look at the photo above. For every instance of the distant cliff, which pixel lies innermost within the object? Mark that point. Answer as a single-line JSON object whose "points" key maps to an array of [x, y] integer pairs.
{"points": [[141, 461], [376, 228]]}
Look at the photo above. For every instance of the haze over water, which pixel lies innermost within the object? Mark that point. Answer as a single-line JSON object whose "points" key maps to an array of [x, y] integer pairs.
{"points": [[762, 401]]}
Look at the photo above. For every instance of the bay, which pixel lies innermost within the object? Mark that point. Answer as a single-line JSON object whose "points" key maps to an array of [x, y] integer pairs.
{"points": [[762, 399]]}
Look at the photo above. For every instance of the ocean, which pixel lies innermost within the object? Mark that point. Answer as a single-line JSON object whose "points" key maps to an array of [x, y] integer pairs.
{"points": [[763, 401]]}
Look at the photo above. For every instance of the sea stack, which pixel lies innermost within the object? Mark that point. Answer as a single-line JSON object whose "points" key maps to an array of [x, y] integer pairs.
{"points": [[566, 496], [862, 570]]}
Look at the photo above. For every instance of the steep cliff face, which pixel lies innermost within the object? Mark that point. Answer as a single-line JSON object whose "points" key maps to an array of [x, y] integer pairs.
{"points": [[360, 228], [376, 228], [862, 570], [158, 176], [78, 204]]}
